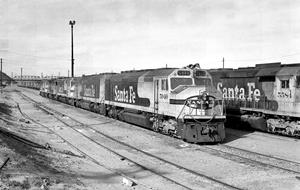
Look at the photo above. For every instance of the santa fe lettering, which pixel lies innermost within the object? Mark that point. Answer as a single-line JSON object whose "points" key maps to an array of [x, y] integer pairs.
{"points": [[127, 96], [239, 93]]}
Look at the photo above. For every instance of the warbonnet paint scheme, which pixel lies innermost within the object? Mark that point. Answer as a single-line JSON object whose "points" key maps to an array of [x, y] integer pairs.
{"points": [[178, 102]]}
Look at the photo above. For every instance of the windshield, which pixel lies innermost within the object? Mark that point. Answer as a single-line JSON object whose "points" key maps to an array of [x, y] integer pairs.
{"points": [[180, 81], [202, 81]]}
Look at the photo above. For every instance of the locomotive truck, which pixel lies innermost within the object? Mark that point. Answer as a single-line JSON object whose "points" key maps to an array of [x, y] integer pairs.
{"points": [[179, 102], [264, 97]]}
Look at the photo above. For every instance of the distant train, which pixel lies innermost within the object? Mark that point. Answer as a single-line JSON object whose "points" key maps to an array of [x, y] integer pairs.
{"points": [[34, 84], [265, 97], [178, 102]]}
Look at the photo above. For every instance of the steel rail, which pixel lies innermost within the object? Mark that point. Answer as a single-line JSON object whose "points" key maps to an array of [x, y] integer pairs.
{"points": [[52, 112], [269, 156], [91, 158]]}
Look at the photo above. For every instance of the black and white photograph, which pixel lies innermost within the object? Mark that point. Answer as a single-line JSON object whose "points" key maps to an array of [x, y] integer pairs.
{"points": [[149, 95]]}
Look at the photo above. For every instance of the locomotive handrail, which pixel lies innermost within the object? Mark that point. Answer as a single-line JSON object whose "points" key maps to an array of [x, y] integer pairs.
{"points": [[191, 103], [197, 104]]}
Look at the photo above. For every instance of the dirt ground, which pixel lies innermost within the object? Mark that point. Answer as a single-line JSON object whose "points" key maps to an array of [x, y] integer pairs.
{"points": [[32, 168], [64, 167], [28, 167]]}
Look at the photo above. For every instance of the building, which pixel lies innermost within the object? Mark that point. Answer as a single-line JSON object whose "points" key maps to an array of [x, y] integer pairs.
{"points": [[6, 80]]}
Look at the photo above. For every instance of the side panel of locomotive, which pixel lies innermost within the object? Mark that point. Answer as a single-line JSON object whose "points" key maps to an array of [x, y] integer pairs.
{"points": [[91, 89], [88, 89], [261, 94], [134, 89], [243, 88], [52, 89], [45, 87], [122, 90], [62, 86], [286, 90], [130, 96]]}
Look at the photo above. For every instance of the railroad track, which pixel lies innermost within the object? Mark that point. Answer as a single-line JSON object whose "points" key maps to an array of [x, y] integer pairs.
{"points": [[21, 139], [65, 119], [250, 158], [228, 152], [241, 155], [276, 136], [65, 140]]}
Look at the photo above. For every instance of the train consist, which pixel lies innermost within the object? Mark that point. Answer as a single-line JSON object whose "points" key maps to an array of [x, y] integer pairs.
{"points": [[178, 102], [33, 84], [265, 97]]}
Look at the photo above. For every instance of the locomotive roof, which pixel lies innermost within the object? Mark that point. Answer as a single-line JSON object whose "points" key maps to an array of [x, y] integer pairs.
{"points": [[289, 71], [148, 74], [265, 69], [144, 70], [272, 71], [107, 73], [235, 73], [267, 65]]}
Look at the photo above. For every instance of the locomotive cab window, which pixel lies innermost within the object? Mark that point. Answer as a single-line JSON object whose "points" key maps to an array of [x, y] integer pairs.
{"points": [[164, 84], [203, 81], [180, 81], [285, 83], [297, 81]]}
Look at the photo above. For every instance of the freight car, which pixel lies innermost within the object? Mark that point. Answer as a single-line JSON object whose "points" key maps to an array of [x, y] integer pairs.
{"points": [[178, 102], [264, 97], [30, 83]]}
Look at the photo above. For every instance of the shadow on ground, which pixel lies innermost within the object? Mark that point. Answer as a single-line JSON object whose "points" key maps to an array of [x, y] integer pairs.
{"points": [[236, 129], [5, 109]]}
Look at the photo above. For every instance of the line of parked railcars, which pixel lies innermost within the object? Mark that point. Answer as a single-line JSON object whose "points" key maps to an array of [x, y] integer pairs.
{"points": [[178, 102], [264, 97], [33, 84]]}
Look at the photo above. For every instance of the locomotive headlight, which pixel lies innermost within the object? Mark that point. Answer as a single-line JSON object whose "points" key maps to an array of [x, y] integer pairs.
{"points": [[204, 96]]}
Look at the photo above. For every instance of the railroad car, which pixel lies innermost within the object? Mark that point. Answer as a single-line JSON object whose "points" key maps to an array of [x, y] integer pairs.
{"points": [[33, 84], [264, 97], [178, 102], [44, 87]]}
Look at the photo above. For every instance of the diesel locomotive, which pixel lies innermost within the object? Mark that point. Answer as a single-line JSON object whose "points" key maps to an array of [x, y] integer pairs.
{"points": [[179, 102], [264, 97]]}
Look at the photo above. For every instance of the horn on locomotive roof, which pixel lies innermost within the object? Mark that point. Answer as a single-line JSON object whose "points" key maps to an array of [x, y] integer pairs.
{"points": [[193, 66]]}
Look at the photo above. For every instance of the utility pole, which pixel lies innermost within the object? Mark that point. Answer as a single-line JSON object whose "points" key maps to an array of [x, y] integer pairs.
{"points": [[72, 23], [223, 62]]}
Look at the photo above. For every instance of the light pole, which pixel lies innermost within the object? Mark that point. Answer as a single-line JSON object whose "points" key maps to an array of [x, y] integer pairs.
{"points": [[72, 23]]}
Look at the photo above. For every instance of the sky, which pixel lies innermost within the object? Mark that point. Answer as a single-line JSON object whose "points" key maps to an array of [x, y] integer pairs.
{"points": [[117, 35]]}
